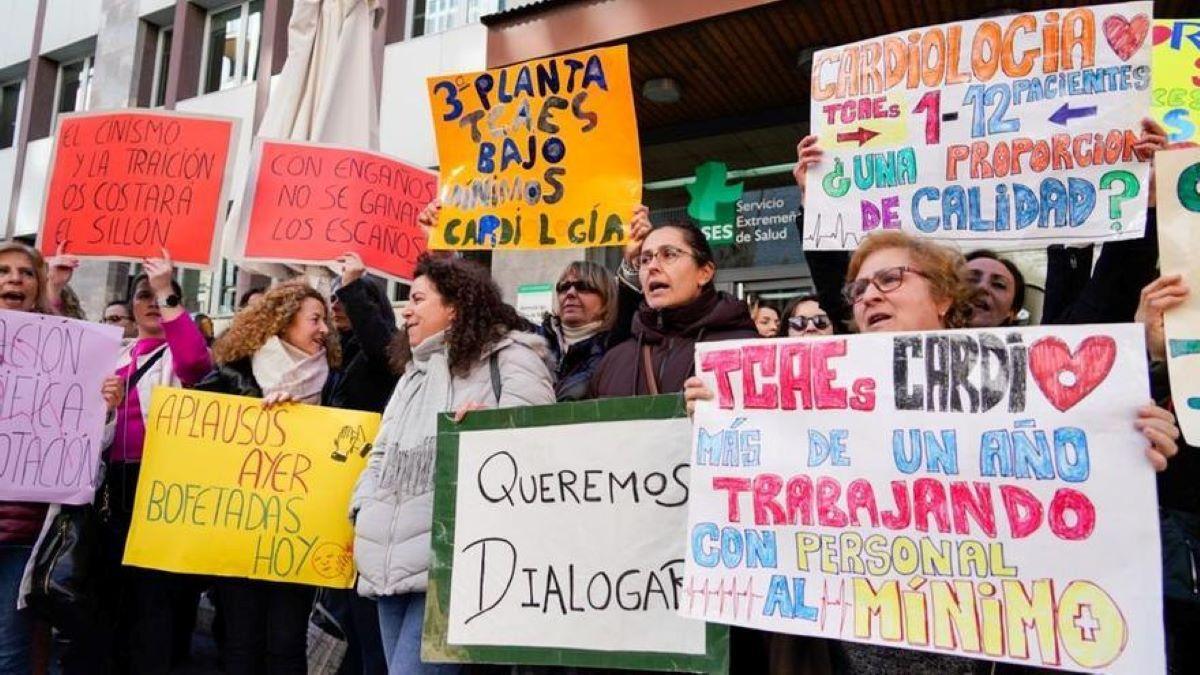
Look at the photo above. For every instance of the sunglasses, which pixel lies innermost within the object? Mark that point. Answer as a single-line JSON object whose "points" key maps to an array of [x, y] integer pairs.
{"points": [[820, 322], [579, 286], [886, 280]]}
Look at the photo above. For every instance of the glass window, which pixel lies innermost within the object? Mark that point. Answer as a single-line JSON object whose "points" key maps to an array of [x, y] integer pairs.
{"points": [[162, 64], [435, 16], [10, 105], [231, 50], [74, 85]]}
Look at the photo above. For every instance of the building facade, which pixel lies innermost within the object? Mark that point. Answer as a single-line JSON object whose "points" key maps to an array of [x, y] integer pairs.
{"points": [[720, 86]]}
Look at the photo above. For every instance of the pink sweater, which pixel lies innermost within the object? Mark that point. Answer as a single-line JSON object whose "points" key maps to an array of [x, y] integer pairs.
{"points": [[190, 362]]}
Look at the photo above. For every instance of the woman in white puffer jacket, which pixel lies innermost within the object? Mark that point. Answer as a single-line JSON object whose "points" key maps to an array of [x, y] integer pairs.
{"points": [[461, 349]]}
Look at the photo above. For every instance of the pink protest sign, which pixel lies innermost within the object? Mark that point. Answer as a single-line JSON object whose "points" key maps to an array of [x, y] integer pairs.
{"points": [[51, 412]]}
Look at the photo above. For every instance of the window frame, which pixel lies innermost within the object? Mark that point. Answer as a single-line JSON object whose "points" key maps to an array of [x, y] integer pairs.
{"points": [[86, 75], [162, 64], [17, 117], [242, 58]]}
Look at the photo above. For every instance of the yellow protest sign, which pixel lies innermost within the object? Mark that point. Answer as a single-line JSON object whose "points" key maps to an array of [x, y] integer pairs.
{"points": [[1175, 78], [541, 154], [230, 489]]}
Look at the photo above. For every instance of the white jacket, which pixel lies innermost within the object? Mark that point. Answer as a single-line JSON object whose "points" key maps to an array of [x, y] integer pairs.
{"points": [[392, 534]]}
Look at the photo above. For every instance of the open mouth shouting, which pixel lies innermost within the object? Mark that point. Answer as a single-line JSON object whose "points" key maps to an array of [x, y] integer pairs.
{"points": [[13, 299]]}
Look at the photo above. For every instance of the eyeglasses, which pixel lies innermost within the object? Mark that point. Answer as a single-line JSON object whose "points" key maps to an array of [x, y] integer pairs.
{"points": [[668, 254], [115, 319], [578, 285], [886, 280], [820, 322]]}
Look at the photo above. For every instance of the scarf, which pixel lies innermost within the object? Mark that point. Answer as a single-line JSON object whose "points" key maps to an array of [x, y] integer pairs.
{"points": [[278, 366], [408, 433], [568, 336]]}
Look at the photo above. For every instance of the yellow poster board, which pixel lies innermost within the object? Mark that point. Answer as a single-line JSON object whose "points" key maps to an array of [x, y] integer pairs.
{"points": [[1175, 78], [230, 489], [538, 155]]}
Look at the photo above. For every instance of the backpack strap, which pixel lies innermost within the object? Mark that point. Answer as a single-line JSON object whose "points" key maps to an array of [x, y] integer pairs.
{"points": [[145, 367], [494, 367]]}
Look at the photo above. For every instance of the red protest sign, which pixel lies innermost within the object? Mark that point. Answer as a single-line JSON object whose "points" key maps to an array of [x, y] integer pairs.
{"points": [[126, 184], [312, 203]]}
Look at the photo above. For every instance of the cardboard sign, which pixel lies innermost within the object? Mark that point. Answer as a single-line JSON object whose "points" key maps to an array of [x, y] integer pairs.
{"points": [[1176, 78], [51, 409], [1012, 132], [542, 154], [313, 203], [982, 493], [560, 540], [1178, 200], [230, 489], [125, 185]]}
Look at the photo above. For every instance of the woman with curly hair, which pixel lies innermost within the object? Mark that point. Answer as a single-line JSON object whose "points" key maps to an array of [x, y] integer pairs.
{"points": [[278, 349], [461, 348]]}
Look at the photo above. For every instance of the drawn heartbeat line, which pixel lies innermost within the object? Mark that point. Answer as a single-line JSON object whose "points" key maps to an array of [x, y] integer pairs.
{"points": [[846, 240], [1179, 348]]}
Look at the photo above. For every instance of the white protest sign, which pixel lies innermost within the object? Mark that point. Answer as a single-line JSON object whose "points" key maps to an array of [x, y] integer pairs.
{"points": [[1009, 132], [1178, 197], [981, 493], [51, 410], [573, 537]]}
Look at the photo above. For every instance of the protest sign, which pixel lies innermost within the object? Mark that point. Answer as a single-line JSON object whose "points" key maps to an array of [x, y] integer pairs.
{"points": [[312, 203], [981, 493], [1176, 77], [124, 185], [559, 539], [1012, 132], [228, 488], [541, 154], [51, 410], [1178, 197]]}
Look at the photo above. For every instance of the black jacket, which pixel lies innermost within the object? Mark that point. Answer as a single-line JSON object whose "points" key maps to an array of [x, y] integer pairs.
{"points": [[573, 368], [236, 378], [365, 380]]}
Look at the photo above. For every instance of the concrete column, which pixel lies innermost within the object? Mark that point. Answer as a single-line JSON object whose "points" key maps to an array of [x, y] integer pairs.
{"points": [[114, 85]]}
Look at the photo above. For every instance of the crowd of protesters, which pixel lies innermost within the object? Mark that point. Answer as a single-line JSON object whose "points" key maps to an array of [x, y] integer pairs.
{"points": [[457, 347]]}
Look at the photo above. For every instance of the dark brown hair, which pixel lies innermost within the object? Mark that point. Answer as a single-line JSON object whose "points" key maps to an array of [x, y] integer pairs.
{"points": [[481, 318]]}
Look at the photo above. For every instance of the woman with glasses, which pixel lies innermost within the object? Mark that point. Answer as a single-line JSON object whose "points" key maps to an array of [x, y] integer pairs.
{"points": [[805, 317], [116, 313], [578, 327], [680, 307], [901, 283]]}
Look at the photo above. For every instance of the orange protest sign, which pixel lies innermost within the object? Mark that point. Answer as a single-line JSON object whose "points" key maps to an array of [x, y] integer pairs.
{"points": [[126, 184], [541, 154], [312, 203]]}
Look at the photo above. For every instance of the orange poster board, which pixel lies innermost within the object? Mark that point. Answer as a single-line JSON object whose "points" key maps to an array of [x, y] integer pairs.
{"points": [[126, 184], [312, 203], [542, 154]]}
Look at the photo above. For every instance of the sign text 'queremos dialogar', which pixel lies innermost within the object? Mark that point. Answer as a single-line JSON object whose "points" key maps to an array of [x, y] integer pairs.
{"points": [[983, 493], [1012, 132], [51, 410], [559, 539], [542, 154], [312, 203], [232, 489], [125, 185]]}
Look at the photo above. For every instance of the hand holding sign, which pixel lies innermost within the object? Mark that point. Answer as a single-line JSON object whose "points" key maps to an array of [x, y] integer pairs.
{"points": [[352, 268], [1160, 295]]}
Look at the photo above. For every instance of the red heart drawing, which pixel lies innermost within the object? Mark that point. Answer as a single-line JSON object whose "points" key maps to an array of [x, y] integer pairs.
{"points": [[1066, 378], [1125, 36]]}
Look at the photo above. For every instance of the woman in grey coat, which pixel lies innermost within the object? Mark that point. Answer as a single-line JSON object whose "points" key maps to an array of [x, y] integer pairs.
{"points": [[460, 350]]}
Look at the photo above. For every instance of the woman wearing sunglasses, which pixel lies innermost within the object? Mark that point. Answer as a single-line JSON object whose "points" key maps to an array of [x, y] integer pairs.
{"points": [[578, 327], [805, 317], [680, 307]]}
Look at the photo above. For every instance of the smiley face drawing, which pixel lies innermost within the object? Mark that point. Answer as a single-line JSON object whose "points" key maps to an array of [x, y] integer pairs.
{"points": [[333, 561]]}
